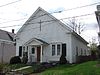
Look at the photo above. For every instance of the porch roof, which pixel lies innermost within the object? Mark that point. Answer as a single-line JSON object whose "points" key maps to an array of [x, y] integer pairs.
{"points": [[36, 41]]}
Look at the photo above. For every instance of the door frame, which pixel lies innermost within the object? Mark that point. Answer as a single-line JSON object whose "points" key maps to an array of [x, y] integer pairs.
{"points": [[38, 49]]}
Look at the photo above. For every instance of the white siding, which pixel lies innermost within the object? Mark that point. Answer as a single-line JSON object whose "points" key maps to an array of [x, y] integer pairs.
{"points": [[77, 43], [51, 32], [7, 50]]}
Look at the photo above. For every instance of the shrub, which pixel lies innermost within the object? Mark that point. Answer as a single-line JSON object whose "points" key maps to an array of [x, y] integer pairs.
{"points": [[25, 58], [84, 58], [46, 64], [93, 55], [38, 68], [15, 60], [63, 60], [1, 67]]}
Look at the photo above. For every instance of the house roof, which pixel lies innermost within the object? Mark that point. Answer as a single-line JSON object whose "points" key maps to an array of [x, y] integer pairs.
{"points": [[55, 19], [41, 41], [4, 35], [79, 37], [33, 16], [37, 40]]}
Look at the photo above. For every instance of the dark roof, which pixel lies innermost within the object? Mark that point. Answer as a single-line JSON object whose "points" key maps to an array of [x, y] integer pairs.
{"points": [[41, 41], [36, 39], [4, 35]]}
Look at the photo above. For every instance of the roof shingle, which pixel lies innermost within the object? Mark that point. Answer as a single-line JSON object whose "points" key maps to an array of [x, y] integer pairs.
{"points": [[4, 35]]}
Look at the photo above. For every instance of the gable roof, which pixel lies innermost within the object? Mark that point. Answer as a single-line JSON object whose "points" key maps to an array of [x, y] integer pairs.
{"points": [[33, 16], [54, 19], [4, 35], [38, 40], [79, 37]]}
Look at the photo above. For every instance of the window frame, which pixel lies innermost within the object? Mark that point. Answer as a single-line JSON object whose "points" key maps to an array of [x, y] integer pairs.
{"points": [[20, 51], [33, 50], [82, 53], [58, 49], [77, 52], [53, 49]]}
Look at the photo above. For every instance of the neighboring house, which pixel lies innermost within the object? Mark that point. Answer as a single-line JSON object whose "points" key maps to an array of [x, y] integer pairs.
{"points": [[44, 39], [98, 20], [7, 47]]}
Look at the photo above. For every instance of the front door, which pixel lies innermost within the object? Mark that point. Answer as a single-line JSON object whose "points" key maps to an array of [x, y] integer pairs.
{"points": [[64, 49], [38, 53]]}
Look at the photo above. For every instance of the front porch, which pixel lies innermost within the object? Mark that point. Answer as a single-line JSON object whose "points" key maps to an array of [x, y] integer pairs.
{"points": [[34, 50]]}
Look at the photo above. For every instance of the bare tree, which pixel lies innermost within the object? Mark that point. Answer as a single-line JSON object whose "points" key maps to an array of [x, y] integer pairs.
{"points": [[77, 26]]}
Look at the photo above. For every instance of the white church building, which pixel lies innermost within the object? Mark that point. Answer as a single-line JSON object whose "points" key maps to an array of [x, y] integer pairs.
{"points": [[44, 38]]}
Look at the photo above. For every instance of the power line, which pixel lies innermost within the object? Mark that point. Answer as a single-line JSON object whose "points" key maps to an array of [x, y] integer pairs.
{"points": [[82, 6], [68, 9], [77, 7], [10, 3], [10, 26], [43, 15], [13, 20], [39, 26], [65, 18], [35, 17], [49, 20]]}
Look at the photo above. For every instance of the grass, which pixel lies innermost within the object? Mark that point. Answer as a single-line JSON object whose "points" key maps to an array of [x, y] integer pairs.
{"points": [[25, 71], [16, 66], [10, 67], [87, 68]]}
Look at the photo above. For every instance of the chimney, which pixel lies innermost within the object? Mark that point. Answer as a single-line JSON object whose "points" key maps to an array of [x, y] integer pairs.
{"points": [[12, 30]]}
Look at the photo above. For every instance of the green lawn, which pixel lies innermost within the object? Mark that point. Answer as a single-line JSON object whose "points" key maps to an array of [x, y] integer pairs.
{"points": [[9, 67], [87, 68], [17, 66]]}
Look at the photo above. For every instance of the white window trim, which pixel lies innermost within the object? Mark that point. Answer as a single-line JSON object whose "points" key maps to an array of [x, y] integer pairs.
{"points": [[52, 48], [56, 48], [60, 49]]}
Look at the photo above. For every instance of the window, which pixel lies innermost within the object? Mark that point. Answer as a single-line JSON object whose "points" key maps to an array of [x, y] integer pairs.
{"points": [[53, 50], [81, 51], [58, 49], [27, 48], [33, 50], [64, 49], [85, 52], [20, 51], [24, 49], [76, 50]]}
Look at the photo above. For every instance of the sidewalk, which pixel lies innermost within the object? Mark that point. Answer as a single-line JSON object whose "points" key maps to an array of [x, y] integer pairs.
{"points": [[22, 68]]}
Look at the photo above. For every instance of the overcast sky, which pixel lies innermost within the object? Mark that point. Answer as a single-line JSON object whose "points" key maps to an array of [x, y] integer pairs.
{"points": [[20, 10]]}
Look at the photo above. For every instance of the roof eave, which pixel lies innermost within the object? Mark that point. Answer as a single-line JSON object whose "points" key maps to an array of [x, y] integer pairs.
{"points": [[79, 37]]}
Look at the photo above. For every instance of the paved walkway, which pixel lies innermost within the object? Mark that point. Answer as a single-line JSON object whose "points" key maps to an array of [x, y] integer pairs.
{"points": [[22, 68]]}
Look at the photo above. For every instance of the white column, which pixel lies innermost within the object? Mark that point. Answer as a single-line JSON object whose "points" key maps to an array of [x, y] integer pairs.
{"points": [[41, 54], [28, 53]]}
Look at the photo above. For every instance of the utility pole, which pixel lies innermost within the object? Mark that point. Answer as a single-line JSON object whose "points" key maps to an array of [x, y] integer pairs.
{"points": [[3, 43]]}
